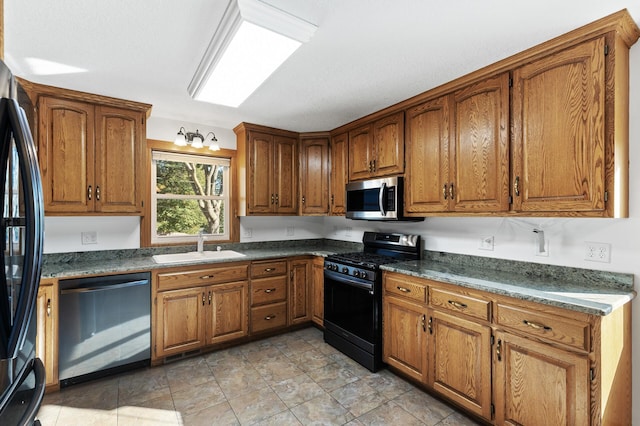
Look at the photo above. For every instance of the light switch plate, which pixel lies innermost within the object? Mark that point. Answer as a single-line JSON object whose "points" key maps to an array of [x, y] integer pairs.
{"points": [[90, 237]]}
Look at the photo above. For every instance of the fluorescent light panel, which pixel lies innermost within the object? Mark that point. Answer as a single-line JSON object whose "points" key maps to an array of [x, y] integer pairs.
{"points": [[252, 41]]}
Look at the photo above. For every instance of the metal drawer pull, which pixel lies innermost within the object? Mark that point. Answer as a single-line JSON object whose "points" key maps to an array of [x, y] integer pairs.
{"points": [[269, 290], [206, 277], [404, 289], [536, 326], [269, 269], [457, 304], [269, 317]]}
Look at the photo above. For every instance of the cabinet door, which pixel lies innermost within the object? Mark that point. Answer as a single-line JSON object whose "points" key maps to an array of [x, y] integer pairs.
{"points": [[558, 125], [318, 291], [460, 360], [360, 153], [260, 186], [404, 337], [228, 312], [119, 160], [536, 384], [66, 155], [299, 291], [180, 324], [314, 176], [427, 146], [480, 160], [47, 331], [388, 138], [339, 173], [286, 175]]}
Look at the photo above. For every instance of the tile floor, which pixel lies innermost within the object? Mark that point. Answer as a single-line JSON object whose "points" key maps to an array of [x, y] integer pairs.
{"points": [[290, 379]]}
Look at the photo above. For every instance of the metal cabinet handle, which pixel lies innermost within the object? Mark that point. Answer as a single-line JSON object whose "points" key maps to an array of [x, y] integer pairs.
{"points": [[430, 326], [536, 326], [203, 299], [277, 199], [499, 350], [374, 165], [269, 290], [424, 320], [457, 304], [209, 297], [206, 277], [451, 191], [303, 199], [370, 166], [269, 269], [332, 199], [89, 192], [444, 191], [273, 198], [98, 193], [404, 289], [48, 307], [269, 317], [516, 186]]}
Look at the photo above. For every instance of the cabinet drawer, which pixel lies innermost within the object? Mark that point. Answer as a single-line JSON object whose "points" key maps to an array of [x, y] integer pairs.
{"points": [[268, 269], [548, 326], [268, 317], [406, 286], [268, 290], [457, 302], [198, 277]]}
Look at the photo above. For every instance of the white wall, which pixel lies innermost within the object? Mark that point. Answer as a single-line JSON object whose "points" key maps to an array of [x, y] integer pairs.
{"points": [[514, 238]]}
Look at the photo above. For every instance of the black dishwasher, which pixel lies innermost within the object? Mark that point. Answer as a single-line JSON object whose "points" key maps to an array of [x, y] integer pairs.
{"points": [[105, 326]]}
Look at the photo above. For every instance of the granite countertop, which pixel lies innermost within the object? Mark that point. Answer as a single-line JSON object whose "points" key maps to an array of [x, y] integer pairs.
{"points": [[583, 290]]}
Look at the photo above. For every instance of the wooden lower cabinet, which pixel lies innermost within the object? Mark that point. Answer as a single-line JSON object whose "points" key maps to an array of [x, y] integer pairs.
{"points": [[460, 361], [404, 337], [180, 321], [506, 360], [317, 277], [536, 384], [47, 330], [228, 316], [299, 291]]}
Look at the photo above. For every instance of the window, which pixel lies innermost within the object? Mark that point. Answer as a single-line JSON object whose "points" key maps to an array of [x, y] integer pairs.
{"points": [[189, 195]]}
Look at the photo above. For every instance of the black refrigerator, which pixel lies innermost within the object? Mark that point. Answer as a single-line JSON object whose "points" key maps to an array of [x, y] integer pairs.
{"points": [[22, 375]]}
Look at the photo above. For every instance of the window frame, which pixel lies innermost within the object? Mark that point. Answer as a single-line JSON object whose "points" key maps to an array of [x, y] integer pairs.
{"points": [[146, 222]]}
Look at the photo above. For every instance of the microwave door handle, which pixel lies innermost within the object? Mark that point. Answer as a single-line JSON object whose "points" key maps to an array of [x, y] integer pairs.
{"points": [[383, 188]]}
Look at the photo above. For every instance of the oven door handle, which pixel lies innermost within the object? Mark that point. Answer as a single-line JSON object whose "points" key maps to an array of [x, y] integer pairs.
{"points": [[345, 279], [383, 188]]}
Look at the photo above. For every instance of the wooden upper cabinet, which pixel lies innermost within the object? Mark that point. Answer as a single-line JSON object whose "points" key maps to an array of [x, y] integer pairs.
{"points": [[559, 131], [377, 149], [480, 147], [267, 170], [458, 151], [314, 176], [90, 150], [119, 154], [427, 148], [66, 154], [339, 173]]}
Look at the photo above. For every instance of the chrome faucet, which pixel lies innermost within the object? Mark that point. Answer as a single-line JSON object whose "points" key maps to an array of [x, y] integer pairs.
{"points": [[200, 241]]}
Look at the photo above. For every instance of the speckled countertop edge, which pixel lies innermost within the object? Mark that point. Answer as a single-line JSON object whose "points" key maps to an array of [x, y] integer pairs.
{"points": [[564, 292], [583, 290]]}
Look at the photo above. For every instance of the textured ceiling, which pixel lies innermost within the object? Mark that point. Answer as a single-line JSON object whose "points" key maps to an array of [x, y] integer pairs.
{"points": [[365, 55]]}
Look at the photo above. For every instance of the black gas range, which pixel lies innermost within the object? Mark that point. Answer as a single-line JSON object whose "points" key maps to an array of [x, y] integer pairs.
{"points": [[353, 294]]}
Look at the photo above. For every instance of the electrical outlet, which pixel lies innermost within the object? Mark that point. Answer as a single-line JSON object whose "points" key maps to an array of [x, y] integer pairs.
{"points": [[247, 233], [597, 252], [290, 231], [486, 243], [89, 237]]}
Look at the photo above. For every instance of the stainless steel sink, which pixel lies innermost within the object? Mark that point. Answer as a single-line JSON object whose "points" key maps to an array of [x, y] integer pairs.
{"points": [[194, 256]]}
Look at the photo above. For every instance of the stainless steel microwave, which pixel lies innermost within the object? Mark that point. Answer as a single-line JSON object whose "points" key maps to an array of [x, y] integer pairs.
{"points": [[376, 199]]}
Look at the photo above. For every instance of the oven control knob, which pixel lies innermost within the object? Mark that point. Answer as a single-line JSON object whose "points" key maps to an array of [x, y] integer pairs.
{"points": [[356, 273], [363, 274], [345, 270]]}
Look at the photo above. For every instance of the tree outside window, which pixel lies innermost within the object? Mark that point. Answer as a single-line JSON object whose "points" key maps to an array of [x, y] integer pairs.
{"points": [[190, 194]]}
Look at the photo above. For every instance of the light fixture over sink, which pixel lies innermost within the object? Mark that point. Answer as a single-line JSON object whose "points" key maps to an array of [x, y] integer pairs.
{"points": [[196, 139], [251, 42]]}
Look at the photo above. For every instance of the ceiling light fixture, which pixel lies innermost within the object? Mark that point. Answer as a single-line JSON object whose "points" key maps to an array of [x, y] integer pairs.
{"points": [[196, 139], [251, 42]]}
